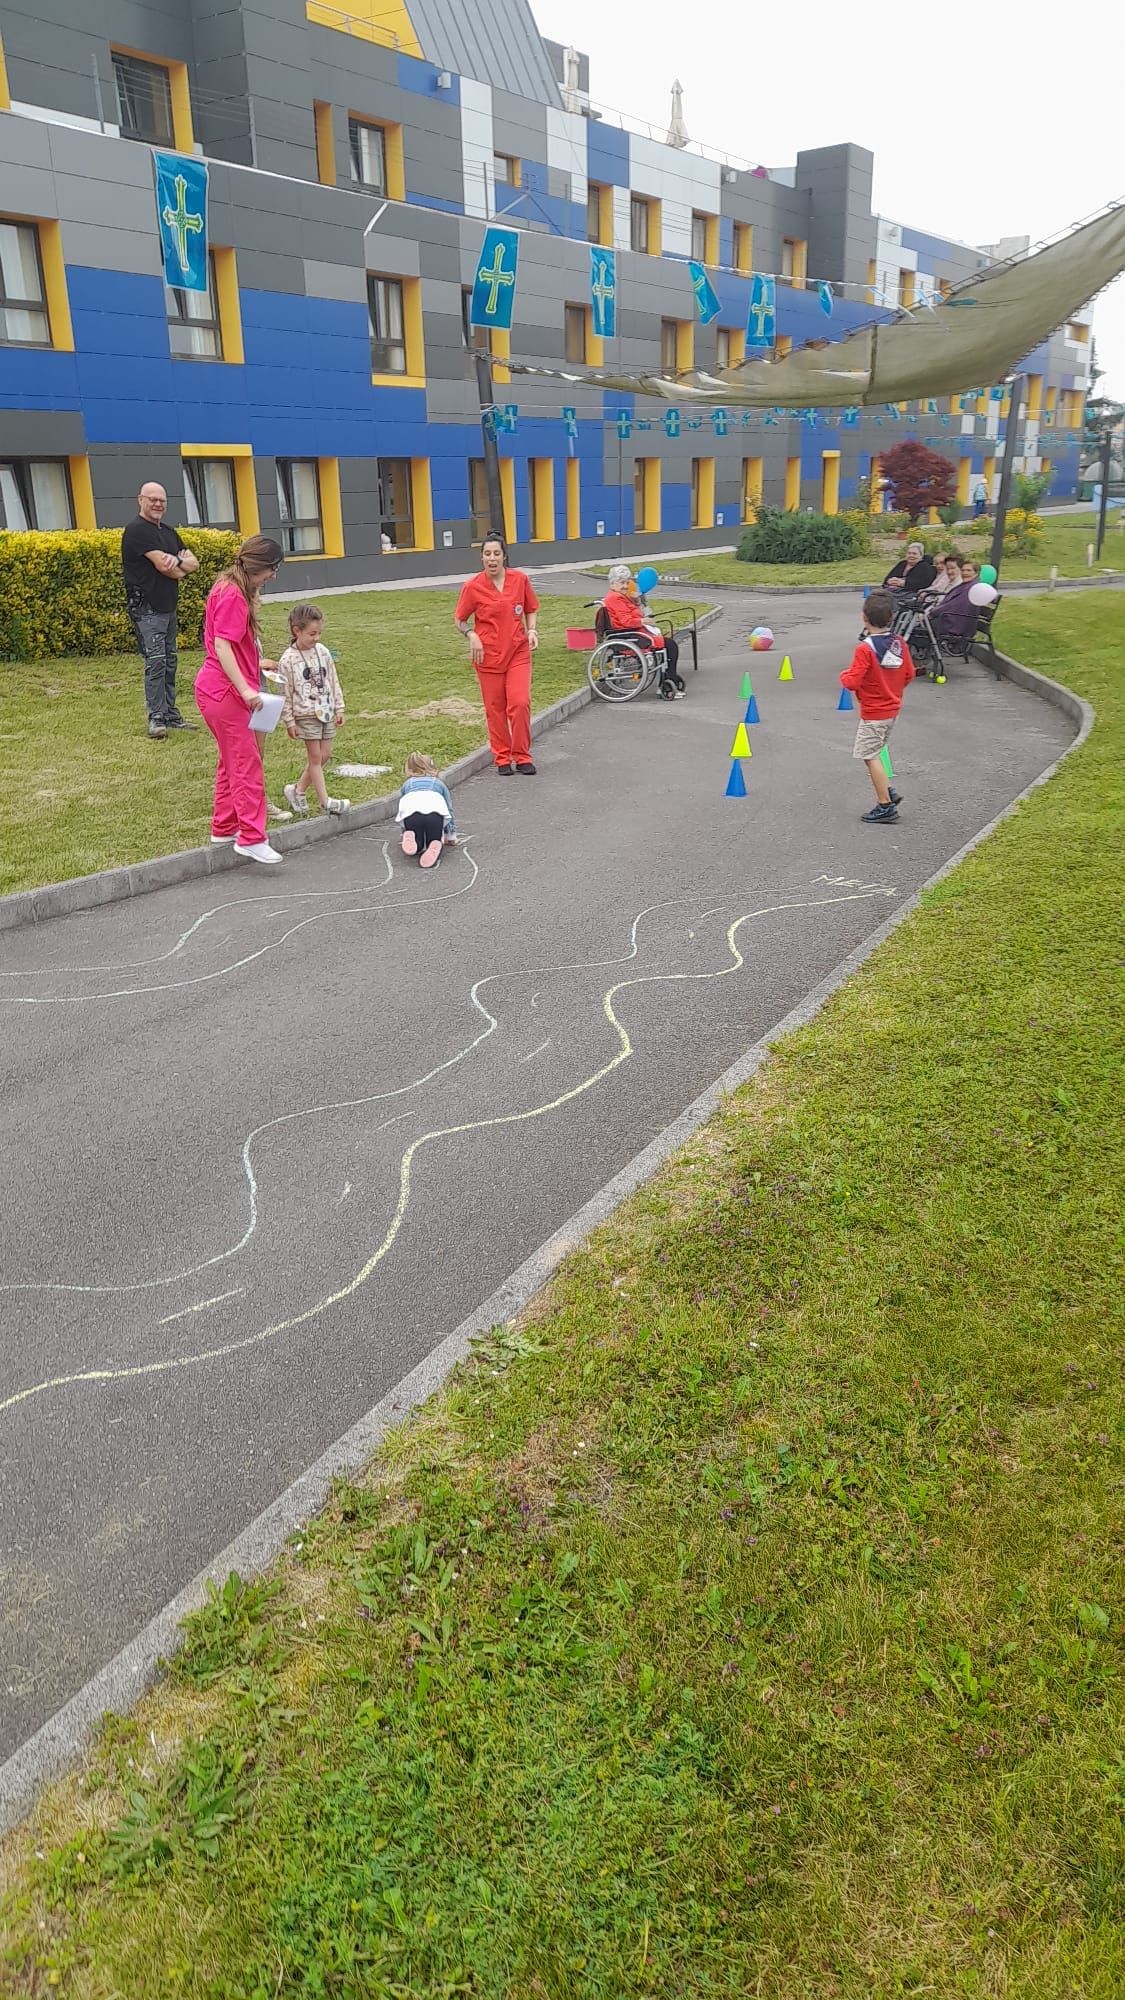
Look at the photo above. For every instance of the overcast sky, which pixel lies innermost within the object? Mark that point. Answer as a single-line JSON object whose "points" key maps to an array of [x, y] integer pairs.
{"points": [[978, 120]]}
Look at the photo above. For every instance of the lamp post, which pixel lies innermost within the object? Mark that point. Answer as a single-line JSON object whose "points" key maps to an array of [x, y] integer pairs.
{"points": [[1007, 467], [486, 398]]}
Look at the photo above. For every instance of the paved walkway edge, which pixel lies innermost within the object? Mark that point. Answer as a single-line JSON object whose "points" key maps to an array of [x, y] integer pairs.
{"points": [[56, 1746], [115, 885]]}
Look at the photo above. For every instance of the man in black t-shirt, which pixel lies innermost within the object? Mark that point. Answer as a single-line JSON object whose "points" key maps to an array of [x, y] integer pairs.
{"points": [[154, 563]]}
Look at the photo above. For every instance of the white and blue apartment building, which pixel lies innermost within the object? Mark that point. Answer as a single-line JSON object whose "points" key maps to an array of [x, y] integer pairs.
{"points": [[322, 387]]}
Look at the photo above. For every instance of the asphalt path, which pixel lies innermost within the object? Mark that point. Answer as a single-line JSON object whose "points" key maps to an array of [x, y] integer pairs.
{"points": [[269, 1140]]}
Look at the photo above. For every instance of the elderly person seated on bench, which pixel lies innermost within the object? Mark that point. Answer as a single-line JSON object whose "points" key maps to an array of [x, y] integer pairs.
{"points": [[947, 577], [625, 609], [956, 615], [915, 571]]}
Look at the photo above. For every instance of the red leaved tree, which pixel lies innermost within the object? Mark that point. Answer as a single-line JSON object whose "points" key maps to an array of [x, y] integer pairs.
{"points": [[917, 478]]}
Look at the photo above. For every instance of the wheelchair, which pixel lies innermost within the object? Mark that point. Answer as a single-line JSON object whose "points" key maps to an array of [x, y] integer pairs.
{"points": [[929, 649], [623, 664]]}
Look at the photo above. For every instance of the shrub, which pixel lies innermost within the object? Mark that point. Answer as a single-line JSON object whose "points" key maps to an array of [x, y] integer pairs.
{"points": [[1023, 532], [778, 537], [951, 513], [62, 592], [1029, 489], [860, 519]]}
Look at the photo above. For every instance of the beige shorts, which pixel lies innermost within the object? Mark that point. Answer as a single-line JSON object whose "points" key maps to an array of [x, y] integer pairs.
{"points": [[311, 730], [871, 737]]}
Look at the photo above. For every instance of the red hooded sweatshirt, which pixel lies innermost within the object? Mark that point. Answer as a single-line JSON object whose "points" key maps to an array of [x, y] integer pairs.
{"points": [[880, 672]]}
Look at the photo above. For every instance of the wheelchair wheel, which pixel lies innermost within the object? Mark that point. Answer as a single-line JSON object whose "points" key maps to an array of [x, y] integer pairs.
{"points": [[668, 689], [680, 682], [617, 670]]}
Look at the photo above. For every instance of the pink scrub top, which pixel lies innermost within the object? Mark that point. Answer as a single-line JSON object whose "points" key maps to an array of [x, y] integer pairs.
{"points": [[227, 617]]}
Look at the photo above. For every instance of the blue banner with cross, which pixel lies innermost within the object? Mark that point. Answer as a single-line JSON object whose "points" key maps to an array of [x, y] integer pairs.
{"points": [[603, 291], [761, 320], [494, 287], [181, 208]]}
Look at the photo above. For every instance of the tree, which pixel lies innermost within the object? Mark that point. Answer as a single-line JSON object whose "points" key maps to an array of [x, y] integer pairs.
{"points": [[917, 478], [1030, 488]]}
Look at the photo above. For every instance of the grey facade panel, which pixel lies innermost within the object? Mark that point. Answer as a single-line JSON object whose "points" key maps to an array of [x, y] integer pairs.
{"points": [[502, 48]]}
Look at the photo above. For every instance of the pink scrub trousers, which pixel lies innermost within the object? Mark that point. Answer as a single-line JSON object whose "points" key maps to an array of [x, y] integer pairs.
{"points": [[240, 790]]}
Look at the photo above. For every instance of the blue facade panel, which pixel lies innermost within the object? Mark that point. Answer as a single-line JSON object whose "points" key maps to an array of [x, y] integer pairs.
{"points": [[607, 154], [421, 78]]}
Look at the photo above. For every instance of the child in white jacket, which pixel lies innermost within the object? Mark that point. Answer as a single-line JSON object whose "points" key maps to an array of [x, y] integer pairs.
{"points": [[314, 706]]}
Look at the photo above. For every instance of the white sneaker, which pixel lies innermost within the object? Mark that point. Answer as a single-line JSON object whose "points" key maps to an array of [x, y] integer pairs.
{"points": [[297, 800], [222, 839], [276, 812], [260, 851], [338, 806]]}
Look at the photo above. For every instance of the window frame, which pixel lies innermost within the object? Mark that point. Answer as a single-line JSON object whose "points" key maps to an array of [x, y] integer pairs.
{"points": [[669, 334], [157, 66], [477, 339], [575, 316], [213, 325], [512, 176], [385, 515], [480, 517], [42, 304], [21, 469], [293, 524], [640, 205], [387, 341], [357, 125], [195, 487]]}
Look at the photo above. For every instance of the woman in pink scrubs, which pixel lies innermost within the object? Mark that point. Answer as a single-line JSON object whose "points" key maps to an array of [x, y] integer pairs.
{"points": [[228, 690]]}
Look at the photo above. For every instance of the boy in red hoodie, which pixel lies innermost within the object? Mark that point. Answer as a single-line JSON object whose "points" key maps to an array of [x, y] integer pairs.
{"points": [[880, 672]]}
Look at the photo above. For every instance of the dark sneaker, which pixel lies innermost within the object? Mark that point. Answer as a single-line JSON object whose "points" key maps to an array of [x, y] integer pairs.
{"points": [[157, 731], [880, 815], [504, 770], [896, 797], [525, 770], [179, 722]]}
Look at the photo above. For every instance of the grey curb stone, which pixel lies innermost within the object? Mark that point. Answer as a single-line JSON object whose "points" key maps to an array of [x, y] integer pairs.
{"points": [[59, 1743]]}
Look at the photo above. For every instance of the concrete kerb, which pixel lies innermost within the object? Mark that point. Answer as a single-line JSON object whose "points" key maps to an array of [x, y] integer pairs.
{"points": [[752, 589], [57, 1745], [113, 885]]}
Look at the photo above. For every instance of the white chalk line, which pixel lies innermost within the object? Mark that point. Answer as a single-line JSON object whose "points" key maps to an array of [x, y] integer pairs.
{"points": [[347, 1104], [400, 902], [360, 1278]]}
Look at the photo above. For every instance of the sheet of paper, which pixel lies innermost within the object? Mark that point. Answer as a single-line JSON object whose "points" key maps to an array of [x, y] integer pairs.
{"points": [[269, 715]]}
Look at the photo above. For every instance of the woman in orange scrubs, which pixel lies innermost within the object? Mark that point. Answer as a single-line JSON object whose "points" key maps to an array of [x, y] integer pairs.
{"points": [[496, 611]]}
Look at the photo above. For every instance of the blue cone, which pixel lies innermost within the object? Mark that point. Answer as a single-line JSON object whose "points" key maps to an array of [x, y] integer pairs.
{"points": [[736, 783], [845, 702], [751, 714]]}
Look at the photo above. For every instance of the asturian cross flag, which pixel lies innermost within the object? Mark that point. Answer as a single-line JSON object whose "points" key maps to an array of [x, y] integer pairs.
{"points": [[181, 208], [494, 289], [707, 300], [603, 291], [761, 321]]}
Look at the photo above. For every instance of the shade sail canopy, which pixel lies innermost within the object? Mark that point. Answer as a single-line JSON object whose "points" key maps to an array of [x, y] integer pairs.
{"points": [[974, 337]]}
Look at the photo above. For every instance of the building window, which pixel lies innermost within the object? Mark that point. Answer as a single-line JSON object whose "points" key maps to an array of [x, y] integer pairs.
{"points": [[473, 336], [639, 522], [699, 237], [506, 170], [794, 260], [702, 492], [367, 152], [298, 500], [194, 327], [730, 346], [209, 493], [24, 318], [639, 231], [480, 519], [144, 100], [576, 323], [744, 247], [1078, 332], [945, 286], [396, 503], [906, 289], [388, 326], [599, 214], [35, 493], [669, 345]]}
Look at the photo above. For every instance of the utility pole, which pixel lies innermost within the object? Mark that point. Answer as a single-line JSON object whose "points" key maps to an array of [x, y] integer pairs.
{"points": [[1107, 461], [1007, 466], [483, 362]]}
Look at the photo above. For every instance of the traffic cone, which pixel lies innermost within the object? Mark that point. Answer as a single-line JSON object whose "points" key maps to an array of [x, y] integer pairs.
{"points": [[736, 783], [747, 687], [845, 702], [786, 673], [885, 760], [751, 714]]}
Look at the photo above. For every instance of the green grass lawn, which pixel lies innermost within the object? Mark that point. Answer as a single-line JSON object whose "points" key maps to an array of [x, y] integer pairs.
{"points": [[747, 1619], [1065, 541], [86, 789]]}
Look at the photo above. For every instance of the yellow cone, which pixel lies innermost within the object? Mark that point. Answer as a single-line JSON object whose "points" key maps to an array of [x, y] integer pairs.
{"points": [[786, 673], [741, 745]]}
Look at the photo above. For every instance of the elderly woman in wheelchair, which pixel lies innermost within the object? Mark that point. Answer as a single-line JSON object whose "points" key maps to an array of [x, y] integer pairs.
{"points": [[632, 650]]}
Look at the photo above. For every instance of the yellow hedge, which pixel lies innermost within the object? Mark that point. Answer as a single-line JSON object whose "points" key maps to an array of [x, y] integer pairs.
{"points": [[63, 593]]}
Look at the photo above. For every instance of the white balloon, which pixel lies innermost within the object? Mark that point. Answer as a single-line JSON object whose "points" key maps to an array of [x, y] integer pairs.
{"points": [[982, 594]]}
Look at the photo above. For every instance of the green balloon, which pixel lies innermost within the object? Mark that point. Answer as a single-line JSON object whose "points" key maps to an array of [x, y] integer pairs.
{"points": [[987, 573]]}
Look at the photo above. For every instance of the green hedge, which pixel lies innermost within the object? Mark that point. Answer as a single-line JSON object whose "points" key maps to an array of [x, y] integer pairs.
{"points": [[63, 593], [780, 537]]}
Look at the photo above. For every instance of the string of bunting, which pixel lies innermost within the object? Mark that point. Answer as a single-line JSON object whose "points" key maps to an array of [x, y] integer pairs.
{"points": [[503, 420]]}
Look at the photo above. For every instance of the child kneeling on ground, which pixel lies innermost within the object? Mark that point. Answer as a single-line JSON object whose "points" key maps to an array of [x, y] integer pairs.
{"points": [[314, 706], [425, 811], [880, 672]]}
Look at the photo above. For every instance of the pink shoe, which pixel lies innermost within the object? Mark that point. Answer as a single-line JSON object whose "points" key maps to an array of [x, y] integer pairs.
{"points": [[432, 855], [410, 843]]}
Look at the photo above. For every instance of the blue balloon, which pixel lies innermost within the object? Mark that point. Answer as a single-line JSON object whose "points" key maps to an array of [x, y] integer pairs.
{"points": [[647, 579]]}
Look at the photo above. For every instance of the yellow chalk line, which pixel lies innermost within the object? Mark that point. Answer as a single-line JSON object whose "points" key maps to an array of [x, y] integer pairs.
{"points": [[353, 1285]]}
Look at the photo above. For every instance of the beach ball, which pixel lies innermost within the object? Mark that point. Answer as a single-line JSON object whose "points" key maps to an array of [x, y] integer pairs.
{"points": [[761, 639]]}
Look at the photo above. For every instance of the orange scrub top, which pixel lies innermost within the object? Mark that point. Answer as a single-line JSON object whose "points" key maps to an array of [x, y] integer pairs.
{"points": [[499, 617]]}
